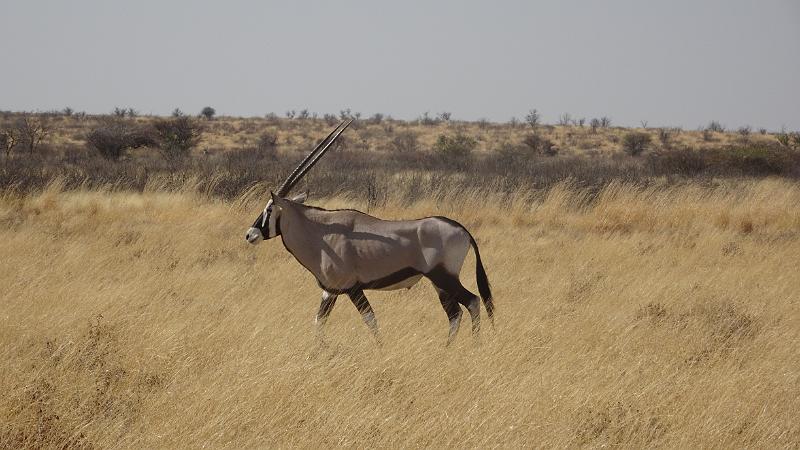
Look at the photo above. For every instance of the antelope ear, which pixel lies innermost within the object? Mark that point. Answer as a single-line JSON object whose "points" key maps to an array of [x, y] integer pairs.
{"points": [[300, 198]]}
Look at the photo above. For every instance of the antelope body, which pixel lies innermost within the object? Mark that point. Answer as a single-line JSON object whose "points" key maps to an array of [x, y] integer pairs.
{"points": [[349, 252]]}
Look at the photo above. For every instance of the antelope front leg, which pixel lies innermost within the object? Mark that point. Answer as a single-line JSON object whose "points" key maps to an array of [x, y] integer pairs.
{"points": [[325, 308], [362, 305]]}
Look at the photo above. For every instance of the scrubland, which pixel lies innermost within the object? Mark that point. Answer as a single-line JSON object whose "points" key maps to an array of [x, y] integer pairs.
{"points": [[662, 314]]}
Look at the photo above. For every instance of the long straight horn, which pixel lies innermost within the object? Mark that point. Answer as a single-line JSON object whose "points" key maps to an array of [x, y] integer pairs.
{"points": [[312, 159], [287, 183]]}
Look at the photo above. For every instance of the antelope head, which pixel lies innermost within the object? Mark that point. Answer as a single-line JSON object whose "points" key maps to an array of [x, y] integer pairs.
{"points": [[266, 224]]}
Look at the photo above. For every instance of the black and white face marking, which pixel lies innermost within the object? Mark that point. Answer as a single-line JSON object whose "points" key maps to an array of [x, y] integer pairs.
{"points": [[265, 227]]}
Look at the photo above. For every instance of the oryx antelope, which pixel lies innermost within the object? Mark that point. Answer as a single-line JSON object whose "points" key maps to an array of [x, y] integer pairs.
{"points": [[349, 252]]}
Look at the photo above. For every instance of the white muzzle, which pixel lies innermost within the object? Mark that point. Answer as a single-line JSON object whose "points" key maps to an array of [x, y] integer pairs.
{"points": [[254, 236]]}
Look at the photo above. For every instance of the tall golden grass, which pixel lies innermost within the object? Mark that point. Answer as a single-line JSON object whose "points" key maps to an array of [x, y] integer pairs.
{"points": [[664, 316]]}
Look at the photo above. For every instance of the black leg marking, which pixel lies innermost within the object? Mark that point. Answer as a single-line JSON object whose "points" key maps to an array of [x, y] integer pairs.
{"points": [[473, 305], [451, 294], [365, 309], [325, 308], [453, 312]]}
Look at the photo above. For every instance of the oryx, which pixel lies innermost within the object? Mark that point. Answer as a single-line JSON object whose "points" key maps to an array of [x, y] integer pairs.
{"points": [[349, 251]]}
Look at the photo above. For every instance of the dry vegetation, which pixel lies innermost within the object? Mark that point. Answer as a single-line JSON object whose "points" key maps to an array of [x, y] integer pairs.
{"points": [[227, 133], [227, 156], [639, 315]]}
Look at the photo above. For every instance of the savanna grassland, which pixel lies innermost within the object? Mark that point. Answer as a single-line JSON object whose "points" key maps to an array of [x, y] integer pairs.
{"points": [[658, 314]]}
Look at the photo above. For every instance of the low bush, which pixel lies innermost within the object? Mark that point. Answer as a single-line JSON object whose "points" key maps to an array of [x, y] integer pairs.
{"points": [[789, 140], [682, 162], [738, 160], [759, 160], [665, 137], [540, 144], [510, 156], [715, 127], [404, 142], [456, 150], [114, 137], [177, 136], [268, 144], [636, 142]]}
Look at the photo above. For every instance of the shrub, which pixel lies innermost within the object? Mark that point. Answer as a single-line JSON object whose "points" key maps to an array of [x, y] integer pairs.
{"points": [[455, 150], [444, 116], [744, 132], [272, 118], [686, 162], [715, 127], [32, 130], [540, 145], [113, 138], [510, 157], [330, 119], [176, 136], [758, 160], [405, 142], [8, 139], [533, 118], [789, 140], [208, 112], [748, 160], [665, 137], [594, 124], [267, 144], [376, 119], [635, 142], [427, 120], [268, 139]]}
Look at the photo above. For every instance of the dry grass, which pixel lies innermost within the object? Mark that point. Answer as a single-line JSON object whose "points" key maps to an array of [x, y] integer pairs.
{"points": [[663, 317]]}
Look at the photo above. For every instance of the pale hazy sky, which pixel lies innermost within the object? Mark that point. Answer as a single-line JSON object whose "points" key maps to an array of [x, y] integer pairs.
{"points": [[679, 62]]}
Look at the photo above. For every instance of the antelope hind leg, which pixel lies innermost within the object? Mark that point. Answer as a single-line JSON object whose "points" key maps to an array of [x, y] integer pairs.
{"points": [[453, 311]]}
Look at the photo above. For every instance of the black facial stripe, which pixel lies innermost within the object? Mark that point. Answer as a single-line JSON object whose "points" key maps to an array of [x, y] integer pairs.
{"points": [[257, 223], [262, 225]]}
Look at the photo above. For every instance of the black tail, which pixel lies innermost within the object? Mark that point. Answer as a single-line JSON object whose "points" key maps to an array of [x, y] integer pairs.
{"points": [[483, 281]]}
